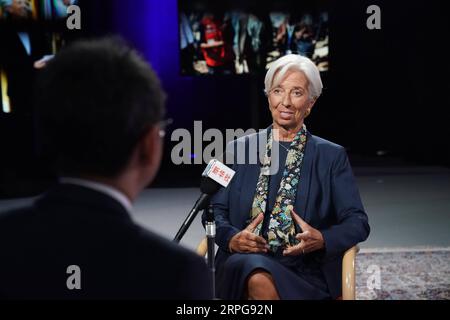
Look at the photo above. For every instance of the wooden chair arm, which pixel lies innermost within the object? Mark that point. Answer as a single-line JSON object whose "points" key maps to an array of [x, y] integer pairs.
{"points": [[202, 247], [348, 273]]}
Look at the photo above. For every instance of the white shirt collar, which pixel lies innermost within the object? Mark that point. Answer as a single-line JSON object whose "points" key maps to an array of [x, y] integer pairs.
{"points": [[103, 188]]}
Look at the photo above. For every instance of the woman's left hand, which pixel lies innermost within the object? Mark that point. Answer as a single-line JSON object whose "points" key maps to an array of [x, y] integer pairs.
{"points": [[310, 239]]}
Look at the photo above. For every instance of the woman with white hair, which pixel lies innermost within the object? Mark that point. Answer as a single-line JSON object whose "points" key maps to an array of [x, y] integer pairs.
{"points": [[282, 233]]}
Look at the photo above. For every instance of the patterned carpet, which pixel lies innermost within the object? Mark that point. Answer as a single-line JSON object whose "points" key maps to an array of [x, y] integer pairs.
{"points": [[403, 274]]}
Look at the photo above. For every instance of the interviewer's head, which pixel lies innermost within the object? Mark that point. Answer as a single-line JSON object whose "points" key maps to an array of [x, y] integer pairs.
{"points": [[292, 85], [99, 108]]}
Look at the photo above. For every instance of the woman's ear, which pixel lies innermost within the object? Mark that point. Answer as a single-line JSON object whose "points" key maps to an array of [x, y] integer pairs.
{"points": [[312, 101]]}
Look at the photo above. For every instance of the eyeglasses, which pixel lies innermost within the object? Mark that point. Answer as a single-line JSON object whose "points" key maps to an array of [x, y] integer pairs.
{"points": [[280, 93], [163, 125]]}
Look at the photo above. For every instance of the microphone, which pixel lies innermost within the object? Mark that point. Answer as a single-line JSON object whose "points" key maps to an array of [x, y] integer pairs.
{"points": [[215, 176]]}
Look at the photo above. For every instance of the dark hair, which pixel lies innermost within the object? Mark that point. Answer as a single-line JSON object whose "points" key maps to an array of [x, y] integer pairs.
{"points": [[95, 100]]}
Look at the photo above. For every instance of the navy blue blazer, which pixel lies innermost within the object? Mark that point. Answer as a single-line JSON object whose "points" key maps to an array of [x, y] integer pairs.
{"points": [[327, 199]]}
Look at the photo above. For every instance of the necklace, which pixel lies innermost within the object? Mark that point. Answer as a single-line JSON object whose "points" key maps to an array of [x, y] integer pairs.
{"points": [[281, 145]]}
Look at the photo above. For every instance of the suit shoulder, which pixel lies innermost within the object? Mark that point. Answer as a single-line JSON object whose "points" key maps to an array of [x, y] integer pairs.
{"points": [[249, 137], [16, 214], [187, 273], [325, 145], [16, 223], [155, 242]]}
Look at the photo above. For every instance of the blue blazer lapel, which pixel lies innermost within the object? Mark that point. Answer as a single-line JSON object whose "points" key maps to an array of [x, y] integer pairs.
{"points": [[249, 187], [305, 178], [250, 179]]}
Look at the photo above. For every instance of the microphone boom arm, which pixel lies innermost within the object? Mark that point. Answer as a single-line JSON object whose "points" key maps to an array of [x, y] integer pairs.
{"points": [[202, 203]]}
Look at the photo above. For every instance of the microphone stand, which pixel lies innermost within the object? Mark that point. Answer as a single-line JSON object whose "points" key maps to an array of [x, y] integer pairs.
{"points": [[210, 228], [201, 202]]}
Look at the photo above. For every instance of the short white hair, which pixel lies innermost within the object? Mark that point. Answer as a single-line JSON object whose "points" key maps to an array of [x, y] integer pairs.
{"points": [[297, 62]]}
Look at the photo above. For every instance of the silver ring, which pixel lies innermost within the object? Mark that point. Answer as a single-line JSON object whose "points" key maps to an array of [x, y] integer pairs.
{"points": [[303, 250]]}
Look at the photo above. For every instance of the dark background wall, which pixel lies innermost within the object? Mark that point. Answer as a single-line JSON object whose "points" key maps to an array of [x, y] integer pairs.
{"points": [[386, 89]]}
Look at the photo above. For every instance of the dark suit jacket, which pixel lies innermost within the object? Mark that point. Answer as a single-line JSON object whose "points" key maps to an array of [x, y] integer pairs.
{"points": [[327, 199], [72, 225]]}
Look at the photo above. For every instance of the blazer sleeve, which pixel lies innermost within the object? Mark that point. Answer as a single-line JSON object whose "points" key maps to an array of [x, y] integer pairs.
{"points": [[224, 229], [352, 222]]}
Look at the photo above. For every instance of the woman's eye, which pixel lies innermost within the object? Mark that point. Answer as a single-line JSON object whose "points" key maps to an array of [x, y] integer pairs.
{"points": [[297, 93]]}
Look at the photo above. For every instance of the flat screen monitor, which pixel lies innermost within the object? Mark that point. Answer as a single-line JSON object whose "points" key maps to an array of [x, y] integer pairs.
{"points": [[246, 36]]}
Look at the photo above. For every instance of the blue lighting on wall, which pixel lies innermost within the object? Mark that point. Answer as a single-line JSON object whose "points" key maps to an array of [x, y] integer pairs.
{"points": [[152, 27]]}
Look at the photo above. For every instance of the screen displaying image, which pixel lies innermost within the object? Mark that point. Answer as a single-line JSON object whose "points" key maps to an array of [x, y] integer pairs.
{"points": [[60, 7], [22, 10], [14, 10], [21, 56], [245, 37], [29, 37]]}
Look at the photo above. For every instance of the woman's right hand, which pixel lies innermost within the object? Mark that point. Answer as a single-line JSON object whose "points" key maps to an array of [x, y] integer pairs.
{"points": [[248, 242]]}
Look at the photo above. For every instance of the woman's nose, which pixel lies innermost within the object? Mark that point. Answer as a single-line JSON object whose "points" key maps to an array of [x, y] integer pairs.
{"points": [[286, 100]]}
